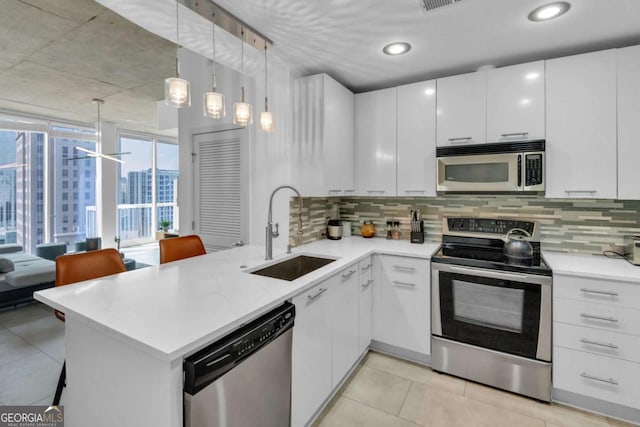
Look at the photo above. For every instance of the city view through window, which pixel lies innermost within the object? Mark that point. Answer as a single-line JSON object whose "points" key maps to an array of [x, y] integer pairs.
{"points": [[48, 187]]}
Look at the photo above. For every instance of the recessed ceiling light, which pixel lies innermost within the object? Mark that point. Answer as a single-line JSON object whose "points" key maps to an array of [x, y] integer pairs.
{"points": [[549, 11], [397, 48]]}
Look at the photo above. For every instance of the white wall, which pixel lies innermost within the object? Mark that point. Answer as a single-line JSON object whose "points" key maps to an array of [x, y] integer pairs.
{"points": [[107, 170], [269, 155]]}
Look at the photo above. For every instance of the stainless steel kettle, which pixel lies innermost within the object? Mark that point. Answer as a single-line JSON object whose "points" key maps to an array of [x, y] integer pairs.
{"points": [[516, 246]]}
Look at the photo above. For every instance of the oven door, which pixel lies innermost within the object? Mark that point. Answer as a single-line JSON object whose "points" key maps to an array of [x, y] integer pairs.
{"points": [[481, 172], [502, 311]]}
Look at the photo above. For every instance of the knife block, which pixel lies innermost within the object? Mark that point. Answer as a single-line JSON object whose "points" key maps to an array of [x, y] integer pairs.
{"points": [[417, 236]]}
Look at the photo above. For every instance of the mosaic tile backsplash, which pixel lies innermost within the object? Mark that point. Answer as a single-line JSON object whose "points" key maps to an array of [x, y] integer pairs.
{"points": [[567, 225]]}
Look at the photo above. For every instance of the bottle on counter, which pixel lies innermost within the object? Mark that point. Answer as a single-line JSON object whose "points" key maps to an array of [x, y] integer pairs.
{"points": [[395, 230], [389, 229]]}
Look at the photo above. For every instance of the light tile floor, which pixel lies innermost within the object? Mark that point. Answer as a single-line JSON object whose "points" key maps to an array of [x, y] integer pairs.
{"points": [[385, 391]]}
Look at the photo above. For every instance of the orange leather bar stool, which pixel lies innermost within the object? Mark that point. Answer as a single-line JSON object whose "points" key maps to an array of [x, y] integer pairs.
{"points": [[177, 248], [74, 268]]}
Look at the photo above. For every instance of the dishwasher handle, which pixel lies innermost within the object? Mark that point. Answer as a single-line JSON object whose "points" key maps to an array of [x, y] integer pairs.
{"points": [[218, 358]]}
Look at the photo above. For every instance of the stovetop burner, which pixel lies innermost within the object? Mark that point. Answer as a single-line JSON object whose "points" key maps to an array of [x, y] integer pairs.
{"points": [[477, 243]]}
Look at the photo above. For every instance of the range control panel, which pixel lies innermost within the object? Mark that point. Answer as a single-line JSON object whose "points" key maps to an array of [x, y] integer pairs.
{"points": [[487, 225]]}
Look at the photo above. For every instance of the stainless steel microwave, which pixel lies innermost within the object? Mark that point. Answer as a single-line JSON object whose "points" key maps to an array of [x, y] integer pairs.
{"points": [[517, 167]]}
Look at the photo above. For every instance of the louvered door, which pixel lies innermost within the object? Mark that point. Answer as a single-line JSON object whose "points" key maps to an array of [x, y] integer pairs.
{"points": [[218, 189]]}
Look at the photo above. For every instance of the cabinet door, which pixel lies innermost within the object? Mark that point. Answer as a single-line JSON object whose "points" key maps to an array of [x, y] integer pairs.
{"points": [[344, 315], [581, 126], [404, 303], [628, 122], [366, 284], [515, 103], [338, 138], [376, 143], [417, 139], [311, 353], [462, 112]]}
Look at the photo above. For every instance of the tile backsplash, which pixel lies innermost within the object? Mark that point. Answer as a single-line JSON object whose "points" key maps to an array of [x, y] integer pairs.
{"points": [[567, 225]]}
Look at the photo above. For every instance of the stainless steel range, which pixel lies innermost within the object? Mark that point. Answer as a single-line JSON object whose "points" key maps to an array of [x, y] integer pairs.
{"points": [[491, 313]]}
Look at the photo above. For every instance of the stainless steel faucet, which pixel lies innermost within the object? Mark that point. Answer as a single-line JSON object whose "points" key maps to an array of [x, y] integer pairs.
{"points": [[274, 234]]}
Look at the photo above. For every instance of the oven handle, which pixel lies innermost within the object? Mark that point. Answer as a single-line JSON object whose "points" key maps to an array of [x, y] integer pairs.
{"points": [[493, 274]]}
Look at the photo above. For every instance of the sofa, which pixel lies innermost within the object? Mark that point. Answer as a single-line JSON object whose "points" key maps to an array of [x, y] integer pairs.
{"points": [[22, 274]]}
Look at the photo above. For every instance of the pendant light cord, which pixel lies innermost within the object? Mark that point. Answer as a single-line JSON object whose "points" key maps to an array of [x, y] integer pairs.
{"points": [[242, 65], [213, 38], [177, 38], [266, 73]]}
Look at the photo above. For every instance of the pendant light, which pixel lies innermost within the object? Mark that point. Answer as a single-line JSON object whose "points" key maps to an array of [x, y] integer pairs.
{"points": [[266, 118], [242, 111], [177, 91], [213, 102]]}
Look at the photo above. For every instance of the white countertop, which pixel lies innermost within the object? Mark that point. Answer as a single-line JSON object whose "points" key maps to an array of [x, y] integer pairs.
{"points": [[593, 266], [173, 309]]}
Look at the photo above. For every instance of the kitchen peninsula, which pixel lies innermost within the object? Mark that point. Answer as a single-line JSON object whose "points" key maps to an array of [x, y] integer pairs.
{"points": [[127, 335]]}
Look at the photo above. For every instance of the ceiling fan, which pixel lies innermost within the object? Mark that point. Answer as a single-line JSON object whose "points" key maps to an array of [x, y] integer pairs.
{"points": [[94, 154]]}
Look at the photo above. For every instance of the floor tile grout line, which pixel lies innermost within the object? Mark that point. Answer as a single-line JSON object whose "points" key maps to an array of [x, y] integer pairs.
{"points": [[36, 347], [369, 406]]}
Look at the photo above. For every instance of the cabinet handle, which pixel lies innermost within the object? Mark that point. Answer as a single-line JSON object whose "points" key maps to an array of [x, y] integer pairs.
{"points": [[593, 316], [397, 282], [335, 191], [375, 191], [604, 380], [507, 135], [462, 139], [366, 285], [311, 298], [400, 267], [593, 291], [415, 191], [366, 267], [601, 344], [348, 275], [349, 191], [592, 192]]}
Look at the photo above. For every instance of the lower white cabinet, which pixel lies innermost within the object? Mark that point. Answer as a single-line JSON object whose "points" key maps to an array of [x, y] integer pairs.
{"points": [[311, 353], [366, 285], [596, 339], [325, 341], [401, 316], [344, 322]]}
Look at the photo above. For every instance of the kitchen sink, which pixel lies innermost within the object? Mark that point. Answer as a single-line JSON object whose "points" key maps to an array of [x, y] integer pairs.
{"points": [[292, 268]]}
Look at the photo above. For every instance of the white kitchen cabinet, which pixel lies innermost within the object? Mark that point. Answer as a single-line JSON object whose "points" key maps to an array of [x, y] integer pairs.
{"points": [[401, 308], [462, 109], [311, 353], [581, 145], [344, 316], [416, 139], [596, 338], [515, 102], [628, 122], [323, 137], [366, 284], [375, 133]]}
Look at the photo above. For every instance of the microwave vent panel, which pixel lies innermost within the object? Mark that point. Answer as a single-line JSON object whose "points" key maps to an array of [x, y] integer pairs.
{"points": [[428, 5]]}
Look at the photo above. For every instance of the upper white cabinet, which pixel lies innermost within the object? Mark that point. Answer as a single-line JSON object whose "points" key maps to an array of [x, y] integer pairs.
{"points": [[461, 112], [416, 139], [376, 142], [628, 122], [323, 136], [581, 126], [515, 102]]}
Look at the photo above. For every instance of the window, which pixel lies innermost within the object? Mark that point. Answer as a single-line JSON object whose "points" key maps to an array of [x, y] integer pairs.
{"points": [[147, 190], [65, 173]]}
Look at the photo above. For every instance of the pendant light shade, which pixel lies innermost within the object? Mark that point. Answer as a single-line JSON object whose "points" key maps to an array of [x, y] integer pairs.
{"points": [[213, 102], [177, 91], [242, 111], [266, 118]]}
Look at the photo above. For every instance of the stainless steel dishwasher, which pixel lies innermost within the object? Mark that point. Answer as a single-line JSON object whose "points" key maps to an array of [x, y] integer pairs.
{"points": [[243, 379]]}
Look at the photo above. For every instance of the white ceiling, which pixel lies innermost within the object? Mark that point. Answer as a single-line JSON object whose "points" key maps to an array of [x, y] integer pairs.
{"points": [[345, 37], [58, 55]]}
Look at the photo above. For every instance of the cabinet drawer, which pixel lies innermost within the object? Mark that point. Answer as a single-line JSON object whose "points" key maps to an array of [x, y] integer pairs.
{"points": [[601, 377], [605, 343], [594, 315], [403, 271], [597, 290]]}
